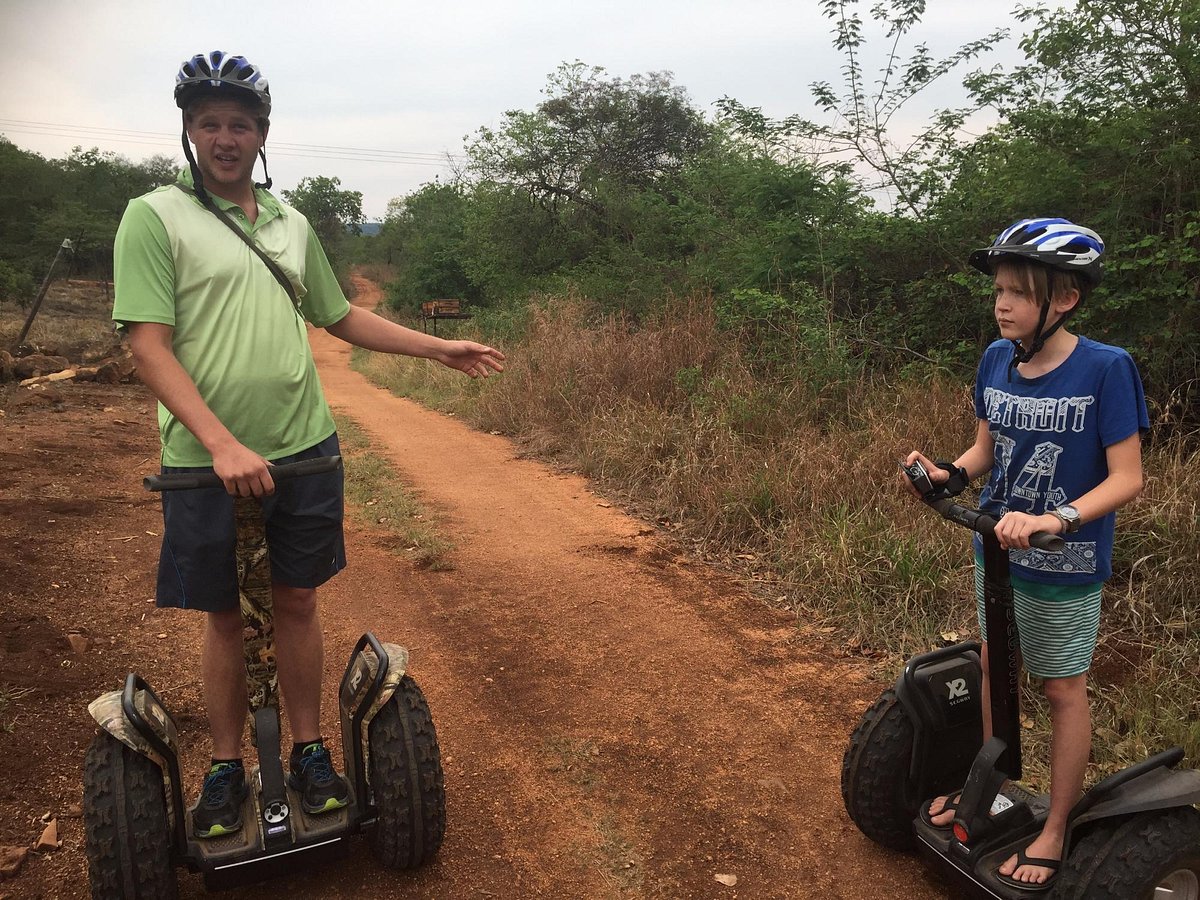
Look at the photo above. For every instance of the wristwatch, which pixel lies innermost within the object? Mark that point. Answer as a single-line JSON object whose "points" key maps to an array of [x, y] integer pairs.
{"points": [[1069, 516]]}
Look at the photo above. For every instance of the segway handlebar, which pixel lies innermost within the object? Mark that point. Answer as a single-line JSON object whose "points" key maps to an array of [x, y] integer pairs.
{"points": [[975, 519], [189, 481]]}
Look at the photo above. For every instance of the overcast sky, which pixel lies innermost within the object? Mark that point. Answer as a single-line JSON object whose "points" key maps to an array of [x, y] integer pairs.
{"points": [[412, 78]]}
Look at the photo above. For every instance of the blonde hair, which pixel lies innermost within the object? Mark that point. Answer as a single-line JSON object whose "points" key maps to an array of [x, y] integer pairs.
{"points": [[1044, 282]]}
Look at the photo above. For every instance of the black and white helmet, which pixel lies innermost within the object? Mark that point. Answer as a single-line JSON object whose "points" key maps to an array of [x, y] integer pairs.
{"points": [[1057, 243], [217, 72]]}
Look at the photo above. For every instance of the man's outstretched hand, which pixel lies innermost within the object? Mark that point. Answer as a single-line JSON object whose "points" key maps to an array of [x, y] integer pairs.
{"points": [[476, 360]]}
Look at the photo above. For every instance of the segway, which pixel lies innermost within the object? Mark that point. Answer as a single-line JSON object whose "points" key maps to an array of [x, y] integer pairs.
{"points": [[1134, 835], [137, 826]]}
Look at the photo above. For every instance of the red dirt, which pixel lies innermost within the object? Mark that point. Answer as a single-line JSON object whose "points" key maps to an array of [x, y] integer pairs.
{"points": [[616, 718]]}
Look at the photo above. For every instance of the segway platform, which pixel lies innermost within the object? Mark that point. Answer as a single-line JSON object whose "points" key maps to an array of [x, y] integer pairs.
{"points": [[137, 826], [1134, 835]]}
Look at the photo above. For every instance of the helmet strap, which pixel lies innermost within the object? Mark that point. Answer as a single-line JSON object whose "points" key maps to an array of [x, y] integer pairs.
{"points": [[197, 178], [1023, 355], [266, 183]]}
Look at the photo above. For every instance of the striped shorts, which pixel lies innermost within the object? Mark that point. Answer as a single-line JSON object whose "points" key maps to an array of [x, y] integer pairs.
{"points": [[1057, 624]]}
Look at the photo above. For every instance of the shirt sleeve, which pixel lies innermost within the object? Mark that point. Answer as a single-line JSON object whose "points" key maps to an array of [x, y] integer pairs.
{"points": [[143, 268], [324, 304], [1122, 401], [982, 375]]}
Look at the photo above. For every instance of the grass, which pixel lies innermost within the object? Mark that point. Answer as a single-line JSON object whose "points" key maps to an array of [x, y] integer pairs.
{"points": [[74, 318], [376, 498], [613, 855], [8, 695], [795, 463]]}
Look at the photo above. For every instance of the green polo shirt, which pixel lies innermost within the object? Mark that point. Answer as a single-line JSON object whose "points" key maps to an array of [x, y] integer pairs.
{"points": [[236, 332]]}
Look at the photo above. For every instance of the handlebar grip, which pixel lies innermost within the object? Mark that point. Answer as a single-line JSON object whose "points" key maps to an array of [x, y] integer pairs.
{"points": [[183, 481], [985, 524], [1044, 540]]}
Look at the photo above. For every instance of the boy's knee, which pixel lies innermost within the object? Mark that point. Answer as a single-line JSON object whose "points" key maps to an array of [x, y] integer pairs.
{"points": [[1066, 691]]}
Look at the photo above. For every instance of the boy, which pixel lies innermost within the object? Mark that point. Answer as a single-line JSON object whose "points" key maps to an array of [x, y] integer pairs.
{"points": [[1060, 423], [219, 336]]}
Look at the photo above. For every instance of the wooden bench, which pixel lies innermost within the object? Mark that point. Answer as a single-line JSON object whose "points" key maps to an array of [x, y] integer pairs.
{"points": [[432, 310]]}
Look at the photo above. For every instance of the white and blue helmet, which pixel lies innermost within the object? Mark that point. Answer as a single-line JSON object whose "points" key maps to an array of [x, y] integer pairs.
{"points": [[1057, 243], [219, 73]]}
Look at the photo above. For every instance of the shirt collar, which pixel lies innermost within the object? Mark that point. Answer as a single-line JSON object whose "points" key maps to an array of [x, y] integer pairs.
{"points": [[268, 206]]}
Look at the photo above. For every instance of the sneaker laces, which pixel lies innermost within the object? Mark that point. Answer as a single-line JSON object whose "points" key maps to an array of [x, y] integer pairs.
{"points": [[217, 785], [316, 764]]}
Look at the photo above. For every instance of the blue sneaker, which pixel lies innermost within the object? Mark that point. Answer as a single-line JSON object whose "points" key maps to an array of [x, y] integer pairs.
{"points": [[321, 788], [220, 808]]}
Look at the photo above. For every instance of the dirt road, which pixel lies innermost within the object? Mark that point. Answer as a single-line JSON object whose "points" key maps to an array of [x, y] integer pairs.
{"points": [[616, 719]]}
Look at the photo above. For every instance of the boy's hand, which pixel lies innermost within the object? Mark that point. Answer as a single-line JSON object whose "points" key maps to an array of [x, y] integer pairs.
{"points": [[1014, 528], [936, 476], [474, 359]]}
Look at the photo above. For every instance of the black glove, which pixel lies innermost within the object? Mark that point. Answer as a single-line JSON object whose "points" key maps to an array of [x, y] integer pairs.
{"points": [[959, 480]]}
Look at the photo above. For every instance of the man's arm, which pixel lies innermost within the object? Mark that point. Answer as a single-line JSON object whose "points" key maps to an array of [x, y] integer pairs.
{"points": [[364, 329], [244, 472]]}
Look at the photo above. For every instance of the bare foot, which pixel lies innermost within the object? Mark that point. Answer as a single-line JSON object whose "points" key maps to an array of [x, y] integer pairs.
{"points": [[1047, 847], [938, 813]]}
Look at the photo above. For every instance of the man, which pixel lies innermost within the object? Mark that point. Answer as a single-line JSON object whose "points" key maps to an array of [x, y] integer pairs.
{"points": [[219, 336]]}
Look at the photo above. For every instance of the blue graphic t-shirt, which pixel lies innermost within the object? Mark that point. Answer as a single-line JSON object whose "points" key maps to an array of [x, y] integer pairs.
{"points": [[1050, 436]]}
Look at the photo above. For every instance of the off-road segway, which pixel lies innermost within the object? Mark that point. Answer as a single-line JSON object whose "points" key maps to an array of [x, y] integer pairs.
{"points": [[137, 826], [1135, 835]]}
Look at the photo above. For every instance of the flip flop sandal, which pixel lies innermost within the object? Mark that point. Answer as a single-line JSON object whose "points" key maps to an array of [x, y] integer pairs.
{"points": [[951, 805], [1032, 887]]}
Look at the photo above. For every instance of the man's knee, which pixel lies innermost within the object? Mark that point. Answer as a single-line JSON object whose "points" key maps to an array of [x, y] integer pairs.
{"points": [[293, 602], [226, 623]]}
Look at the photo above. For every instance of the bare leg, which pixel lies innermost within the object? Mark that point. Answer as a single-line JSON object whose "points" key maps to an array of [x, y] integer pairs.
{"points": [[224, 673], [1070, 747], [299, 650]]}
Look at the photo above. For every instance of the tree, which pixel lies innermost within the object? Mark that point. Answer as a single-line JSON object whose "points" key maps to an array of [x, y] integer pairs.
{"points": [[331, 211], [80, 197], [422, 236], [591, 135], [912, 173], [1101, 124]]}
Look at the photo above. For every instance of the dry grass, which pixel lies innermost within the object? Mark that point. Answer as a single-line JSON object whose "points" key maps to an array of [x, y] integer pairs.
{"points": [[74, 320], [797, 467], [376, 498]]}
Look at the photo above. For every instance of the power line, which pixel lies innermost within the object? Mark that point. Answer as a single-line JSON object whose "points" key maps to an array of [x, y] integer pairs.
{"points": [[156, 139]]}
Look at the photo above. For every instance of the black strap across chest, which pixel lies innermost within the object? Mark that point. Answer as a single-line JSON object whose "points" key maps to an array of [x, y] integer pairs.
{"points": [[283, 280]]}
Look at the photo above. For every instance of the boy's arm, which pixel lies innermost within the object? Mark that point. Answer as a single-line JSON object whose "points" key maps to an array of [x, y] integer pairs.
{"points": [[364, 329], [1124, 482], [977, 459], [243, 471], [980, 456]]}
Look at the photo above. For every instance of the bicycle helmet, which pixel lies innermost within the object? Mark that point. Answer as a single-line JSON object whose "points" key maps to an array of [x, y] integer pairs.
{"points": [[1057, 244], [218, 72]]}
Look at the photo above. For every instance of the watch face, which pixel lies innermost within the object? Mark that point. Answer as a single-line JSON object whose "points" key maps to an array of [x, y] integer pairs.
{"points": [[1070, 515]]}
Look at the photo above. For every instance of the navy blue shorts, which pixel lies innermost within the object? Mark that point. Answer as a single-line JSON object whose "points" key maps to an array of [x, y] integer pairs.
{"points": [[196, 568]]}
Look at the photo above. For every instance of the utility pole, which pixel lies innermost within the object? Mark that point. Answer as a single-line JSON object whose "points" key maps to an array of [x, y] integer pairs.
{"points": [[41, 294]]}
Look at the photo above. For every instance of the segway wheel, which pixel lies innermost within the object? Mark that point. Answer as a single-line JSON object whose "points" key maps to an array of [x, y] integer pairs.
{"points": [[1148, 855], [125, 823], [406, 780], [876, 787]]}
